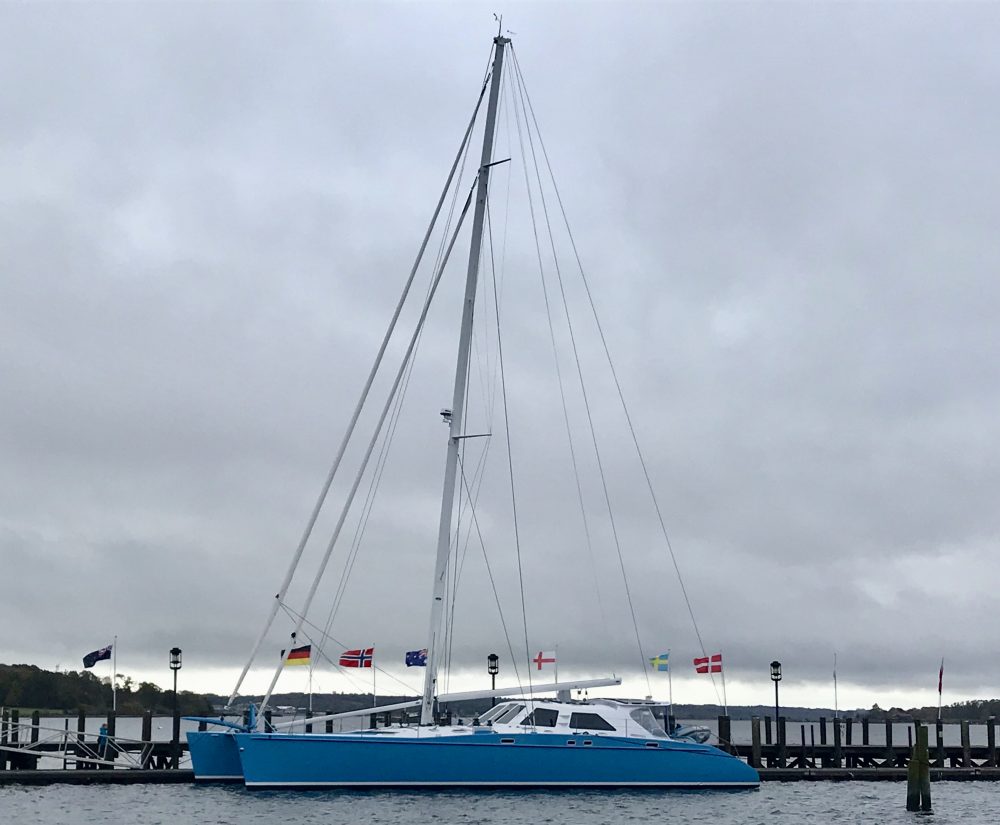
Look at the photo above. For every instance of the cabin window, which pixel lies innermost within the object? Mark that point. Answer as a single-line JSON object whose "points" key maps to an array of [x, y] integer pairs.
{"points": [[510, 713], [645, 719], [541, 718], [591, 721]]}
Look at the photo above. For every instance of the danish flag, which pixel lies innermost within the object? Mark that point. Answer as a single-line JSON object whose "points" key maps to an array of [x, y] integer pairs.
{"points": [[709, 664]]}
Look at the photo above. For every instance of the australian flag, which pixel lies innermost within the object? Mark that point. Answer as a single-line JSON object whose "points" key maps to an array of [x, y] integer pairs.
{"points": [[92, 659], [416, 658]]}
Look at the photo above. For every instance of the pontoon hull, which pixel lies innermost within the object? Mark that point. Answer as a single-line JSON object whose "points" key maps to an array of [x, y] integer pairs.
{"points": [[483, 760], [214, 756]]}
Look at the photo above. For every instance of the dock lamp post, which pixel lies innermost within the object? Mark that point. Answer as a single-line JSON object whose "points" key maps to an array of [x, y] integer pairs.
{"points": [[775, 677], [175, 665], [493, 668]]}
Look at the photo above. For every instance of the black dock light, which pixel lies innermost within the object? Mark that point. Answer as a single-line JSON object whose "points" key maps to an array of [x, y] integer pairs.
{"points": [[175, 665], [493, 668], [776, 677]]}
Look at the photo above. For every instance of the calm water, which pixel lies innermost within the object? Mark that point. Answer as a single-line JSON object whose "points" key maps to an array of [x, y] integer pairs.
{"points": [[879, 803]]}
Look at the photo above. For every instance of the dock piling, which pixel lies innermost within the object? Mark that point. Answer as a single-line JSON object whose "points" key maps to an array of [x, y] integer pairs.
{"points": [[991, 741], [918, 774], [755, 742]]}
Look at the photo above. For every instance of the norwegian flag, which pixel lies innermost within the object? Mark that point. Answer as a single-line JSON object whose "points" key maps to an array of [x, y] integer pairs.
{"points": [[362, 657], [709, 664]]}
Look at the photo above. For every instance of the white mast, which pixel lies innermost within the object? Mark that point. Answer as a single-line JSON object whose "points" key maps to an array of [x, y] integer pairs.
{"points": [[461, 370]]}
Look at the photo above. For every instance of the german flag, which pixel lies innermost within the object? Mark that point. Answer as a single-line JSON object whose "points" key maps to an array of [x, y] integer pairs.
{"points": [[298, 656]]}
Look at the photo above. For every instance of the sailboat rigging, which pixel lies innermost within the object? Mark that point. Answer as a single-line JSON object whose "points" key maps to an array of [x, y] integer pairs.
{"points": [[526, 742]]}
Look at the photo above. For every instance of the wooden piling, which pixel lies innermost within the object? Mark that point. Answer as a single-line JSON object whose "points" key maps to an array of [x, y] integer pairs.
{"points": [[755, 742], [767, 730], [175, 741], [802, 739], [109, 750], [35, 722], [822, 730], [147, 739], [15, 726], [4, 723], [939, 730], [309, 727], [966, 746], [918, 774], [725, 734], [991, 741], [782, 742], [864, 732], [81, 727], [890, 754], [838, 752], [329, 726], [848, 728]]}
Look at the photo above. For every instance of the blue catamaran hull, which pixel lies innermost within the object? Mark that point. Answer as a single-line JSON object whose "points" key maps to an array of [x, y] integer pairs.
{"points": [[214, 756], [483, 760]]}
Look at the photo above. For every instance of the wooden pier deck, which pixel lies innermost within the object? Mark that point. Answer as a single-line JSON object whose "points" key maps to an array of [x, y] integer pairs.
{"points": [[836, 757]]}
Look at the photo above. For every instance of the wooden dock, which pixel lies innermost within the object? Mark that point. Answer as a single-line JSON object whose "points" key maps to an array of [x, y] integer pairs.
{"points": [[837, 756]]}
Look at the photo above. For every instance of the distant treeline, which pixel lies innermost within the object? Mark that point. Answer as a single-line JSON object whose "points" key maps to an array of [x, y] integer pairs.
{"points": [[30, 687], [976, 710]]}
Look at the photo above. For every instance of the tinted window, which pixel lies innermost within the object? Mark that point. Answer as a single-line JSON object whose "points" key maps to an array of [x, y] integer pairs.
{"points": [[590, 721], [513, 711], [542, 718]]}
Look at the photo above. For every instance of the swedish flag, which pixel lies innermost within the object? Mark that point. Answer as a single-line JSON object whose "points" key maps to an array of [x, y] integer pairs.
{"points": [[661, 662]]}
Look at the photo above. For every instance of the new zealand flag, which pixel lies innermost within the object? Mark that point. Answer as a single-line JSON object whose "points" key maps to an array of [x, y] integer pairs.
{"points": [[92, 659]]}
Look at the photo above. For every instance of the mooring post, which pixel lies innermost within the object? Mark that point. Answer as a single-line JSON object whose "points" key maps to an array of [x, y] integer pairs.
{"points": [[802, 740], [147, 739], [913, 779], [782, 742], [109, 747], [864, 731], [329, 726], [812, 743], [918, 773], [890, 754], [991, 741], [725, 734], [671, 722], [15, 726], [309, 727], [755, 742], [35, 722], [81, 728], [65, 740], [175, 740], [848, 728], [925, 769], [767, 730], [939, 730], [838, 753], [4, 717], [822, 730], [966, 746]]}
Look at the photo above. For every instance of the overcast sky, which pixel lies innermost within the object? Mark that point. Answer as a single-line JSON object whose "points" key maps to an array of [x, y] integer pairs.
{"points": [[788, 216]]}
